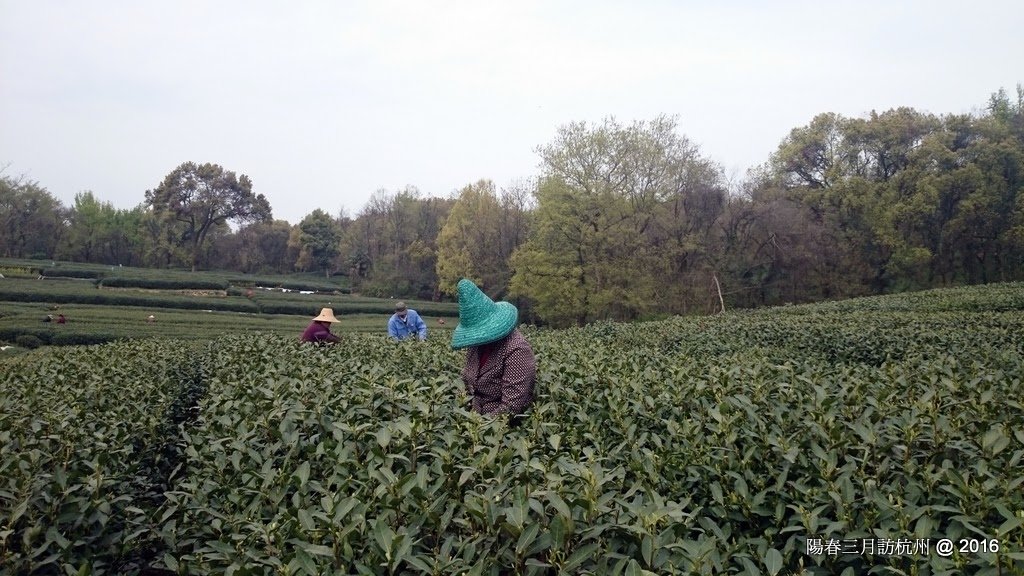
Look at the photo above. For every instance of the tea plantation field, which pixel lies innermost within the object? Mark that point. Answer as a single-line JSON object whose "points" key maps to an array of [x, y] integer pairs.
{"points": [[717, 445], [104, 304]]}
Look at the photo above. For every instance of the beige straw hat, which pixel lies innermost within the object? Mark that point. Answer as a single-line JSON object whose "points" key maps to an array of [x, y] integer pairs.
{"points": [[326, 315]]}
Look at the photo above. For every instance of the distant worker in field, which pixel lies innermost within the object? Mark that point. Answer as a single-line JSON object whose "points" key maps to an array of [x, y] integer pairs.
{"points": [[320, 329], [405, 323], [151, 319], [500, 370], [61, 319]]}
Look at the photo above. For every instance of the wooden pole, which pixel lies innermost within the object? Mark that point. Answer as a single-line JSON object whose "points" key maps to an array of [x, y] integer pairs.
{"points": [[719, 288]]}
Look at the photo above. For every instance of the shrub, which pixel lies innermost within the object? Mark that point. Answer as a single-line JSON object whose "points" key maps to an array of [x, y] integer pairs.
{"points": [[28, 341], [315, 287], [305, 286], [165, 284], [89, 447], [71, 273], [45, 292], [268, 306], [63, 338]]}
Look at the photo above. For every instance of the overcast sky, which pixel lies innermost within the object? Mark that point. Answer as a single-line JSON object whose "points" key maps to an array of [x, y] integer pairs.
{"points": [[323, 102]]}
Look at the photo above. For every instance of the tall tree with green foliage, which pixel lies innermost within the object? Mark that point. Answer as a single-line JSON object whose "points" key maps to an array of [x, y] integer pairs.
{"points": [[598, 245], [194, 198], [128, 239], [263, 247], [551, 266], [319, 236], [467, 246], [906, 199], [392, 243], [91, 229], [32, 221]]}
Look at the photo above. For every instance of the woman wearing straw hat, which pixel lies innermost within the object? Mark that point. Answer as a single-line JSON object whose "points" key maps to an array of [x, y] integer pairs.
{"points": [[500, 369], [320, 329]]}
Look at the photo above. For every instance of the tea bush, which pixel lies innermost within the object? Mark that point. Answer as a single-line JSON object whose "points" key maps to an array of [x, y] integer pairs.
{"points": [[71, 273], [34, 338], [49, 291], [687, 446], [362, 459], [28, 341], [163, 284], [264, 302], [88, 446], [167, 279]]}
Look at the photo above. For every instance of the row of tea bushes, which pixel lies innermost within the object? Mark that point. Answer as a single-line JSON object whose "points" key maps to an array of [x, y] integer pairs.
{"points": [[88, 446], [362, 459], [711, 445]]}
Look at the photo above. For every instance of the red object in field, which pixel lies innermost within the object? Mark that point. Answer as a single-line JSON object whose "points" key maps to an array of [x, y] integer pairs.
{"points": [[249, 293], [440, 320]]}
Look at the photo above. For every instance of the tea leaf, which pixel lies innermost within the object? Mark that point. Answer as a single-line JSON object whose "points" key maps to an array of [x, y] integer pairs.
{"points": [[383, 437], [1009, 526], [773, 561], [303, 472], [526, 539], [306, 520]]}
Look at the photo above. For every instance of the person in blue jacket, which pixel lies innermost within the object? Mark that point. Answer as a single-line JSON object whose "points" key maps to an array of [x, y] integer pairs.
{"points": [[405, 322]]}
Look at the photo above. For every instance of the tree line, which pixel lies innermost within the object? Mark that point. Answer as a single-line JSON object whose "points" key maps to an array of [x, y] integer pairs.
{"points": [[624, 221]]}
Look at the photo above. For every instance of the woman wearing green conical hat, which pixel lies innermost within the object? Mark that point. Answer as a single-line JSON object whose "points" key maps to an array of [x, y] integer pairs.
{"points": [[500, 369]]}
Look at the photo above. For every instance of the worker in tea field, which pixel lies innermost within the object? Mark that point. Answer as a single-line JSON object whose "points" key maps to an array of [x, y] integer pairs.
{"points": [[320, 329], [406, 322], [500, 369]]}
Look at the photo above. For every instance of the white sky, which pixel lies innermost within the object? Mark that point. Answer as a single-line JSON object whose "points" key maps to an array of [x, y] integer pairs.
{"points": [[323, 102]]}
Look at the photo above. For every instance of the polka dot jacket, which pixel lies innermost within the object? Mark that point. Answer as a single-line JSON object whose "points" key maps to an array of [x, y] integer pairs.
{"points": [[504, 384]]}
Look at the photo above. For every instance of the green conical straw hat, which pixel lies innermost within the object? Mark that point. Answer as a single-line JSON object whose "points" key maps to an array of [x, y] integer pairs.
{"points": [[481, 320]]}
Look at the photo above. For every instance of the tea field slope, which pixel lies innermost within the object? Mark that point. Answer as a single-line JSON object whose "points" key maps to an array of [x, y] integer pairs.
{"points": [[688, 446], [103, 304]]}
